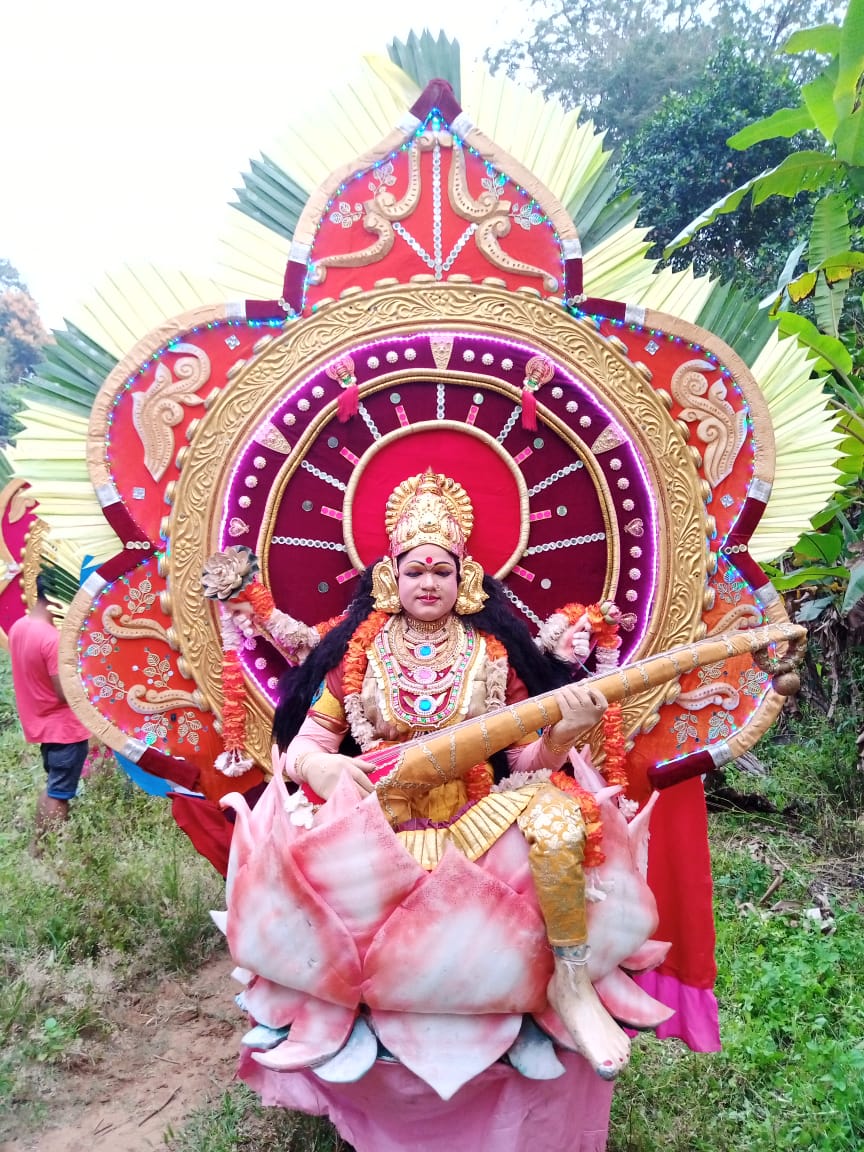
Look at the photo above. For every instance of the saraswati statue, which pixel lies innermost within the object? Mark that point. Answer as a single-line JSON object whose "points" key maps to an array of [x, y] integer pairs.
{"points": [[479, 604]]}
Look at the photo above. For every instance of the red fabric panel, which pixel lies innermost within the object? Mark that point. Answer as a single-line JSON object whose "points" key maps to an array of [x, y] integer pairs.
{"points": [[486, 478], [679, 872], [173, 768], [205, 825], [696, 764]]}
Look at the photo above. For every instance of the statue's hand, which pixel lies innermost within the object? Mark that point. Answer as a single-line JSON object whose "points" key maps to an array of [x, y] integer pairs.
{"points": [[573, 646], [242, 614], [581, 708], [323, 770]]}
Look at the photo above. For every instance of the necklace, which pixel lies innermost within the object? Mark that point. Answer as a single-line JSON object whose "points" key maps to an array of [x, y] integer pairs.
{"points": [[424, 627], [424, 692], [432, 649]]}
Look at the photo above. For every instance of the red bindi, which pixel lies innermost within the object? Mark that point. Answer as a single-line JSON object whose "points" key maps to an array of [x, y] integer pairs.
{"points": [[428, 559]]}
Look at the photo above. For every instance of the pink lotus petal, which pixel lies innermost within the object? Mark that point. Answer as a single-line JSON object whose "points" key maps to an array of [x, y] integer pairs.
{"points": [[652, 953], [318, 1032], [507, 861], [626, 1001], [241, 838], [358, 866], [446, 1051], [462, 942], [553, 1026], [619, 925], [272, 1004], [282, 930]]}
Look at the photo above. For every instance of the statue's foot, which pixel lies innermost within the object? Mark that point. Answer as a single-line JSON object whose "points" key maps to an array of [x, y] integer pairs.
{"points": [[595, 1034]]}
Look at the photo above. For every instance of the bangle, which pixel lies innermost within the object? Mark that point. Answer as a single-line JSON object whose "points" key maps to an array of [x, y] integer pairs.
{"points": [[298, 775], [555, 749]]}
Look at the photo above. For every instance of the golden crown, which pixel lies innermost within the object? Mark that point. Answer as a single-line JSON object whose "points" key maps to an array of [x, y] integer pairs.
{"points": [[429, 508]]}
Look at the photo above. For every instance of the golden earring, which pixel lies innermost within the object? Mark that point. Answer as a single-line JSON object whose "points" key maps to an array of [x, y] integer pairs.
{"points": [[470, 596], [385, 593]]}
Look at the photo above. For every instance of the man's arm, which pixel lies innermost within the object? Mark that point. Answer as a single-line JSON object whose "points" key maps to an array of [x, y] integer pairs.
{"points": [[58, 688]]}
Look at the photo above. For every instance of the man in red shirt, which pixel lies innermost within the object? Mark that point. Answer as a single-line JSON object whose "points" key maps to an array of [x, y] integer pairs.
{"points": [[46, 718]]}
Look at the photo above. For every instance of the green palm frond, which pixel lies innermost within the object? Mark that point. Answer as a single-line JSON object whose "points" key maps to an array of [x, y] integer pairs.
{"points": [[271, 197], [72, 371], [603, 211], [738, 320], [424, 58]]}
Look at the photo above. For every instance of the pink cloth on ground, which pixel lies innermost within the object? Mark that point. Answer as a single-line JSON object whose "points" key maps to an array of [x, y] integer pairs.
{"points": [[33, 645], [391, 1110], [696, 1019]]}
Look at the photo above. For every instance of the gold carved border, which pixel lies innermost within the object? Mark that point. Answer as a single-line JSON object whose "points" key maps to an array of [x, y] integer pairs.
{"points": [[394, 310]]}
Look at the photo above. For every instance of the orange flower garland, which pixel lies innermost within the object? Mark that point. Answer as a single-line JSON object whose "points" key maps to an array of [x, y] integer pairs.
{"points": [[614, 766], [233, 708], [357, 657], [604, 627], [260, 598], [495, 650]]}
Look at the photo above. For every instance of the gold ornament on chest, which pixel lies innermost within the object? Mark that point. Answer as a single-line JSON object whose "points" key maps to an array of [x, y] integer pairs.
{"points": [[423, 669]]}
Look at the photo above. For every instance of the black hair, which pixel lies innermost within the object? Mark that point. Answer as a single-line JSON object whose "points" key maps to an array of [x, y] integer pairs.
{"points": [[43, 587], [538, 671]]}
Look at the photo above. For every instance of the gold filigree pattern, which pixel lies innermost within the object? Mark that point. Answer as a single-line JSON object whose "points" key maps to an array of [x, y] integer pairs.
{"points": [[147, 701], [379, 215], [156, 412], [720, 428], [31, 561], [492, 219], [122, 626]]}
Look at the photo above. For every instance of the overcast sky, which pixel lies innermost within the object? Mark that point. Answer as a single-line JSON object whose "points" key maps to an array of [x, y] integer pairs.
{"points": [[127, 125]]}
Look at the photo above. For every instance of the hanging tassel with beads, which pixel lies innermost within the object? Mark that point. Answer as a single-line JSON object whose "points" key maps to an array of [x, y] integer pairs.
{"points": [[349, 402], [538, 371]]}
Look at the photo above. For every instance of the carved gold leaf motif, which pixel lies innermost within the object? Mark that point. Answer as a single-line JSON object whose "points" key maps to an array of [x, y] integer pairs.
{"points": [[720, 428], [379, 215], [121, 625], [158, 410]]}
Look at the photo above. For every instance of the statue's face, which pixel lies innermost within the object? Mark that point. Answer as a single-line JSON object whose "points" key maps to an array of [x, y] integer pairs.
{"points": [[428, 582]]}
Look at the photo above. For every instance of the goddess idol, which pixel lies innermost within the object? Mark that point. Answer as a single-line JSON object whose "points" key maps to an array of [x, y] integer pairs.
{"points": [[466, 884], [444, 411]]}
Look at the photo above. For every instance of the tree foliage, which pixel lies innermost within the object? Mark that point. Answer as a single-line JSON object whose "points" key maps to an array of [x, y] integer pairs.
{"points": [[22, 339], [619, 59], [823, 274], [680, 160]]}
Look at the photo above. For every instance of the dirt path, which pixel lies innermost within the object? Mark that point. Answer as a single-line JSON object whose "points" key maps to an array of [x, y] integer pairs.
{"points": [[174, 1047]]}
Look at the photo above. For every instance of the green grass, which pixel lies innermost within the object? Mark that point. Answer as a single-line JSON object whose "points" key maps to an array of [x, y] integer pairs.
{"points": [[792, 1022], [239, 1123], [117, 898]]}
